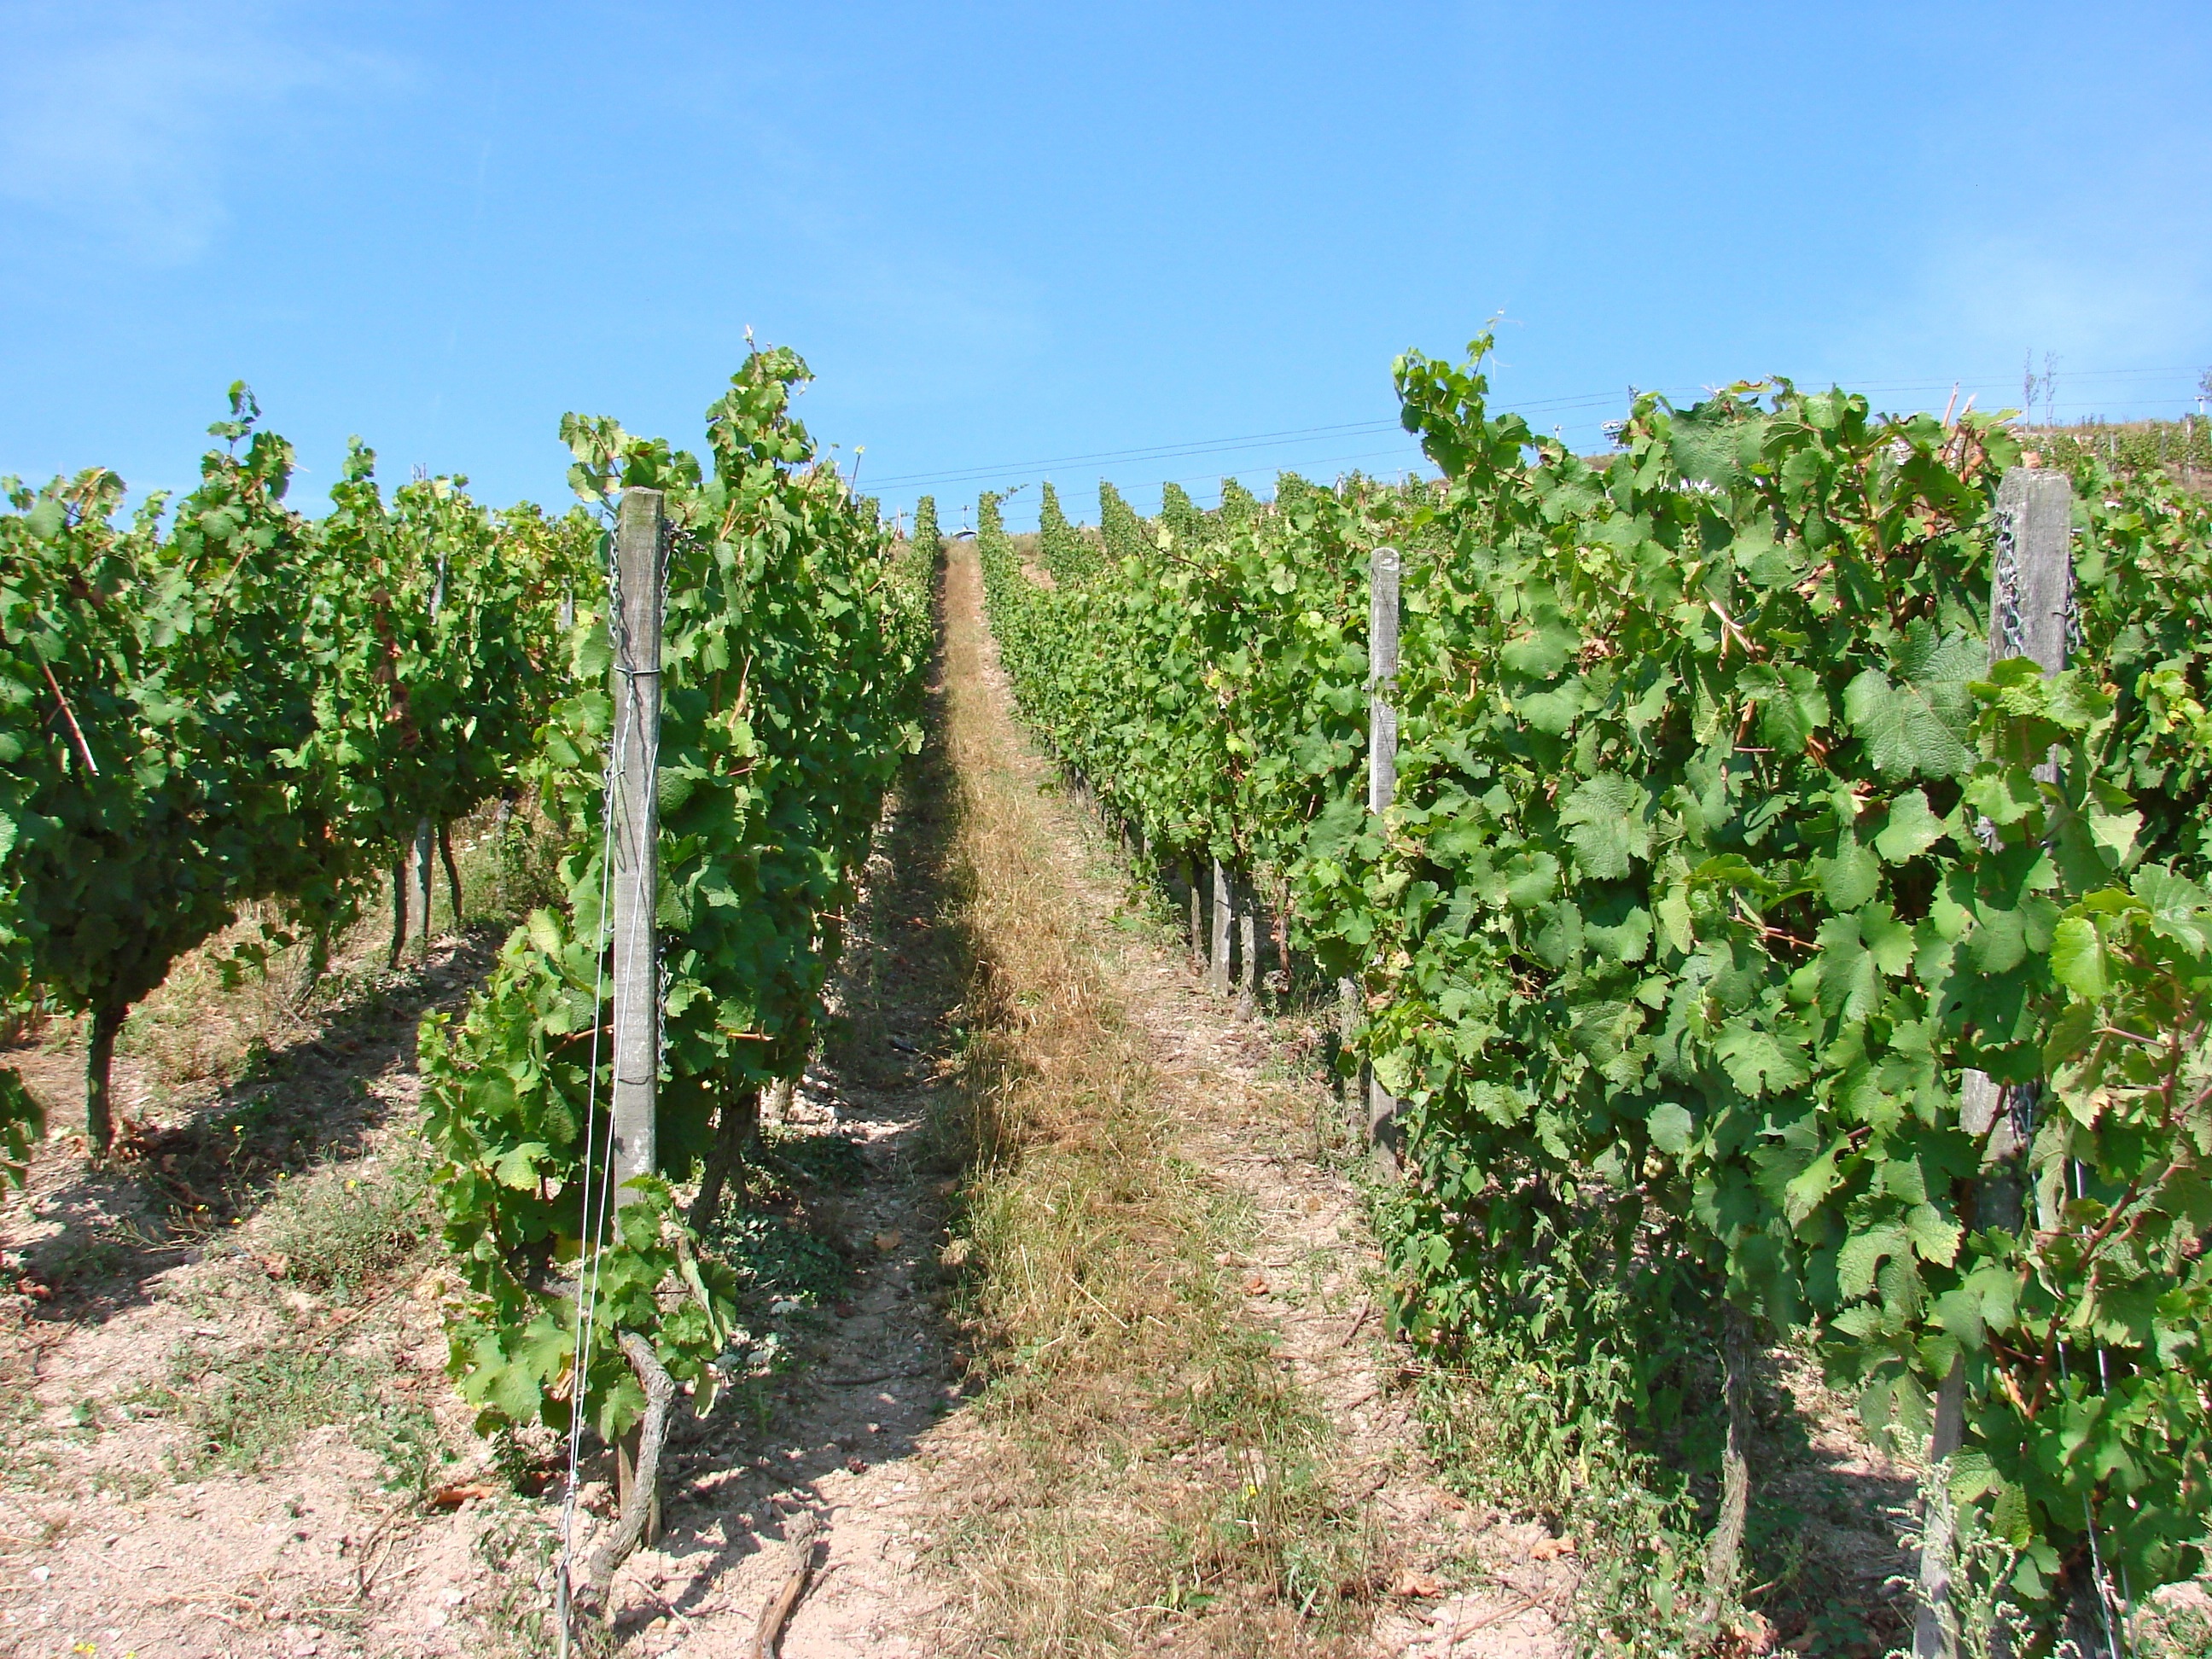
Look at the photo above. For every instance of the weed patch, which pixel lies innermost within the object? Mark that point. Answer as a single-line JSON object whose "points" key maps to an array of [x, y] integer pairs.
{"points": [[519, 1547], [336, 1233], [25, 1460], [1512, 1430], [1621, 1454], [243, 1411], [791, 1160], [778, 1259]]}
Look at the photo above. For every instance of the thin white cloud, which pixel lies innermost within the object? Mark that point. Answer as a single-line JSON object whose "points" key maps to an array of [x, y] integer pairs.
{"points": [[2109, 273], [930, 318], [124, 124], [2118, 306], [918, 315]]}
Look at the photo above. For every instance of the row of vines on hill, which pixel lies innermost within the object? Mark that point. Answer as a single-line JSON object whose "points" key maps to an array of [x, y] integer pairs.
{"points": [[249, 705], [1720, 850]]}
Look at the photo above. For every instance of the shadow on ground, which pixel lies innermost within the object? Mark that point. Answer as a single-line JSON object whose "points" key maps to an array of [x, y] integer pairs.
{"points": [[172, 1187]]}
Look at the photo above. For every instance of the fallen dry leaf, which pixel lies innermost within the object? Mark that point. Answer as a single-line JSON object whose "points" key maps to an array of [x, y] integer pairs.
{"points": [[463, 1491], [1753, 1634], [1550, 1549], [1410, 1584], [1255, 1285]]}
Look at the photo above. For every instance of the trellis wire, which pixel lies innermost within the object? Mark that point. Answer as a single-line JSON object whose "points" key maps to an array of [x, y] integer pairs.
{"points": [[594, 1206], [2089, 1511], [2006, 627]]}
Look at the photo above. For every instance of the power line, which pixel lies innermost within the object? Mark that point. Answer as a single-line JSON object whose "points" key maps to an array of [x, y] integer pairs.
{"points": [[1148, 453], [1196, 447], [1331, 460]]}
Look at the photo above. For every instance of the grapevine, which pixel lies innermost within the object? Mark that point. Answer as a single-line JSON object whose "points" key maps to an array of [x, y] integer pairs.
{"points": [[159, 707], [428, 691], [928, 539], [791, 659]]}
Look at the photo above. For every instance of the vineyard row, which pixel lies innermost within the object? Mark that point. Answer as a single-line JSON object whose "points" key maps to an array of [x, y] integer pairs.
{"points": [[1744, 948], [249, 705]]}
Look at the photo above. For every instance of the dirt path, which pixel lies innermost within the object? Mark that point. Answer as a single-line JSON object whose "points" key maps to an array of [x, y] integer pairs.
{"points": [[1255, 1120]]}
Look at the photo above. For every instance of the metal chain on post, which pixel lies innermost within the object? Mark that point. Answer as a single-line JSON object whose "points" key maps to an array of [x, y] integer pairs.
{"points": [[2032, 616]]}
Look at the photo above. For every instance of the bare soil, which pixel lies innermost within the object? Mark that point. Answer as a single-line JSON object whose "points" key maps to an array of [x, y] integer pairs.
{"points": [[139, 1293]]}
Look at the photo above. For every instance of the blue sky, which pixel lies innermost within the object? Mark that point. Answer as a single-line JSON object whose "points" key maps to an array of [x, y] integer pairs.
{"points": [[1013, 241]]}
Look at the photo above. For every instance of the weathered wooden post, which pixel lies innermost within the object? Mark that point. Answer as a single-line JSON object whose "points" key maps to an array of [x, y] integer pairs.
{"points": [[1248, 952], [1381, 679], [1218, 961], [633, 622], [1381, 762], [2031, 603], [1197, 915]]}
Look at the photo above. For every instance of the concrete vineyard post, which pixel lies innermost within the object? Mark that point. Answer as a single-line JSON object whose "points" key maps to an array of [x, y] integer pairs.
{"points": [[1347, 1022], [634, 624], [418, 878], [452, 872], [399, 909], [2031, 601], [1381, 758], [422, 872]]}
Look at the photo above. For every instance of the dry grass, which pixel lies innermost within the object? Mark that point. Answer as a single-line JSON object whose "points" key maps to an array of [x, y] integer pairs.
{"points": [[1152, 1474]]}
